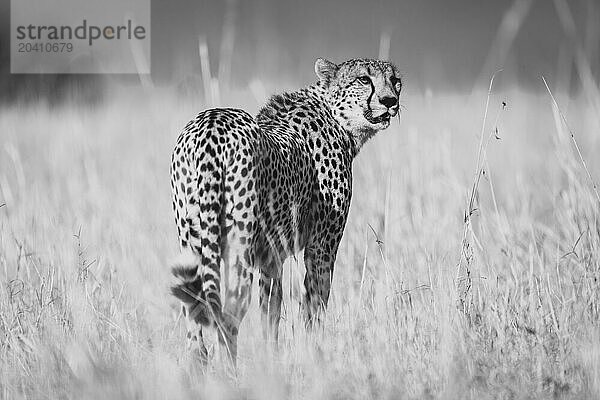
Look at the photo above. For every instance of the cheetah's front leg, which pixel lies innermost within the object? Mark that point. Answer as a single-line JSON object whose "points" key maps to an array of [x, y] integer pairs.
{"points": [[271, 294], [318, 260]]}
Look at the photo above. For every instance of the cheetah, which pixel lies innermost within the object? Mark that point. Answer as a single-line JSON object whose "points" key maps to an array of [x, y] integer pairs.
{"points": [[248, 192]]}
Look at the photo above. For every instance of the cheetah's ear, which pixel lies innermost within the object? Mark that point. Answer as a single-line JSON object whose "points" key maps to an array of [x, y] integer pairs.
{"points": [[325, 70]]}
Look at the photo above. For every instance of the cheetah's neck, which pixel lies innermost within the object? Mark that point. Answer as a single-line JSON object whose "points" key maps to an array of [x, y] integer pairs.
{"points": [[358, 138], [282, 107]]}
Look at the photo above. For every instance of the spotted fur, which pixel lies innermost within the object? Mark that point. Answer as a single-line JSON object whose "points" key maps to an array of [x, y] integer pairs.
{"points": [[249, 192]]}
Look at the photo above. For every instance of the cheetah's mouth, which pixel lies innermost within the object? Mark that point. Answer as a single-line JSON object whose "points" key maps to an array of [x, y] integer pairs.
{"points": [[385, 117]]}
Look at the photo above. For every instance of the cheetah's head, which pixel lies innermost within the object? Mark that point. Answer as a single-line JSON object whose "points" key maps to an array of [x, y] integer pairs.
{"points": [[363, 94]]}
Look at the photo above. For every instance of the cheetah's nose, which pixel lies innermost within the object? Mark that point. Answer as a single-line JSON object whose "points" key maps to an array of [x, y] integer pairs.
{"points": [[388, 101]]}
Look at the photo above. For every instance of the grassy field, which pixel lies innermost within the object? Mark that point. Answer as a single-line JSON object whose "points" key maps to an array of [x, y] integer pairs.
{"points": [[424, 305]]}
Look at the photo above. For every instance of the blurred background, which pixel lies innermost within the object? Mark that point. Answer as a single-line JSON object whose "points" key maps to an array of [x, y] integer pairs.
{"points": [[440, 45]]}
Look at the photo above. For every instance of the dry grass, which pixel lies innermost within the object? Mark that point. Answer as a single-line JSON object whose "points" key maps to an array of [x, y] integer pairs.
{"points": [[86, 235]]}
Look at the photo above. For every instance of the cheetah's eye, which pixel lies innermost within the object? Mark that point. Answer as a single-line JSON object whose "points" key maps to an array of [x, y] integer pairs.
{"points": [[365, 80], [397, 83]]}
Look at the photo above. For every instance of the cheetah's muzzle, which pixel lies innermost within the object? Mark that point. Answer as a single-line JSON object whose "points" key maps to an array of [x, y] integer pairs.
{"points": [[385, 117]]}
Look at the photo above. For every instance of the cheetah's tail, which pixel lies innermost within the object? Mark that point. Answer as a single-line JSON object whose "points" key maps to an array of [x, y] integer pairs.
{"points": [[198, 269]]}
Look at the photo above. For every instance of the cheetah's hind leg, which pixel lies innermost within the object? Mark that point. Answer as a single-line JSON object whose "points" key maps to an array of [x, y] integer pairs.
{"points": [[238, 266]]}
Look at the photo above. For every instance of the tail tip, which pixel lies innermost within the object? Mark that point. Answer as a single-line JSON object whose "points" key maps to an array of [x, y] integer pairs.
{"points": [[187, 288]]}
